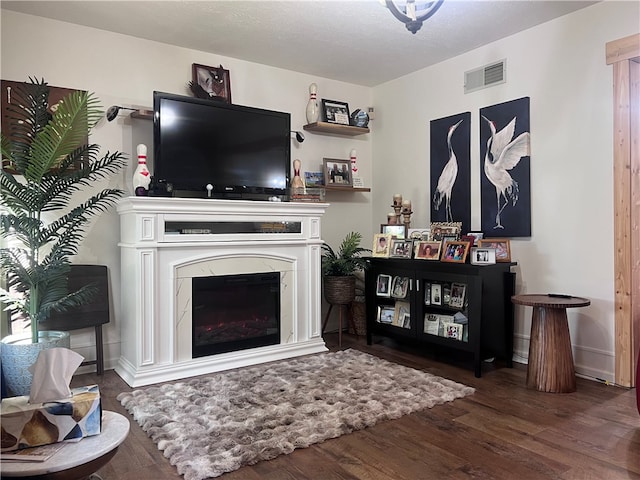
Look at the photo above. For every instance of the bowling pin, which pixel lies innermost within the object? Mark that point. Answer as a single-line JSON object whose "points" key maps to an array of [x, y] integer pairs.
{"points": [[312, 105], [141, 176]]}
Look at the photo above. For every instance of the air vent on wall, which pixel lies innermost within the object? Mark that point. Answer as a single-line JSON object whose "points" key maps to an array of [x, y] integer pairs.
{"points": [[487, 76]]}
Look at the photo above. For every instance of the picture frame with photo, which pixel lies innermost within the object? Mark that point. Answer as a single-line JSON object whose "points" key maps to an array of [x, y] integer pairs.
{"points": [[401, 248], [501, 245], [431, 324], [453, 330], [334, 111], [313, 179], [401, 310], [383, 285], [215, 81], [419, 234], [397, 231], [482, 256], [476, 236], [381, 245], [406, 320], [455, 252], [337, 172], [386, 314], [427, 250], [438, 229], [427, 293], [436, 294], [457, 296], [399, 287]]}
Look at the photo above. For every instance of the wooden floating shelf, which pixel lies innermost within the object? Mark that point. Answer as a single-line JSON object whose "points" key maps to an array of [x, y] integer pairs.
{"points": [[335, 129], [142, 114], [346, 189]]}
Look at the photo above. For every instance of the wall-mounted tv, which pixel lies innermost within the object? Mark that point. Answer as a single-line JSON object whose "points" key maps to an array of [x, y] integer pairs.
{"points": [[239, 152]]}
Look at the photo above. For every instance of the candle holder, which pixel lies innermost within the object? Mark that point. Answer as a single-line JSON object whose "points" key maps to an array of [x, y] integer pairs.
{"points": [[406, 214], [397, 208]]}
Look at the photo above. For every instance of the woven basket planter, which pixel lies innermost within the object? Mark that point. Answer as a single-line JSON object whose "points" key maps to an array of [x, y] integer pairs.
{"points": [[340, 290]]}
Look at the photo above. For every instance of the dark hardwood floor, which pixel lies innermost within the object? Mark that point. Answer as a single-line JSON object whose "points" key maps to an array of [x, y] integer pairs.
{"points": [[503, 431]]}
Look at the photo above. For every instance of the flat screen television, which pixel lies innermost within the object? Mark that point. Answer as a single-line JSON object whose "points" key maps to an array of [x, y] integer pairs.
{"points": [[204, 148]]}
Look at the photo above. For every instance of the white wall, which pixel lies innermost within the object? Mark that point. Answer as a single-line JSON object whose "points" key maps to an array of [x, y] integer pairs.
{"points": [[561, 66], [125, 71]]}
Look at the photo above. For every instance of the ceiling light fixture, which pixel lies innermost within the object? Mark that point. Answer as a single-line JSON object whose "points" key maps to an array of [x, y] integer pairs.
{"points": [[412, 13]]}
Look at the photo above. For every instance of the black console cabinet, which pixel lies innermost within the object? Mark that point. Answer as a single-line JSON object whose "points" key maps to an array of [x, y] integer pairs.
{"points": [[450, 305]]}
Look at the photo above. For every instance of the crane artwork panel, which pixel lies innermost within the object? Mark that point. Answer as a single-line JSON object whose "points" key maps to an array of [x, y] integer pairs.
{"points": [[451, 169], [505, 177]]}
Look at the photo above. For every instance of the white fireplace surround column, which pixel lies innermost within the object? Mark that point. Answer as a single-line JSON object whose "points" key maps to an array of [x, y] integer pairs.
{"points": [[159, 262]]}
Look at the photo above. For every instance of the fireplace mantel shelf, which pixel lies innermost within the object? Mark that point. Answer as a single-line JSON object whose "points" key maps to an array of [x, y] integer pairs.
{"points": [[158, 266]]}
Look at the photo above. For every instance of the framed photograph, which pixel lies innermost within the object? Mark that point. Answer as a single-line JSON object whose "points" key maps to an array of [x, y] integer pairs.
{"points": [[476, 236], [213, 80], [427, 293], [456, 298], [401, 248], [397, 231], [436, 294], [427, 250], [431, 323], [453, 330], [501, 245], [438, 229], [383, 285], [335, 112], [400, 287], [447, 237], [402, 309], [337, 172], [313, 179], [386, 314], [419, 234], [455, 252], [483, 256], [381, 245]]}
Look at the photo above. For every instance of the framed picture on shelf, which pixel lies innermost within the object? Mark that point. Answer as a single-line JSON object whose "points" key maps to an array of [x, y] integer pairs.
{"points": [[455, 252], [399, 287], [401, 310], [427, 293], [337, 172], [427, 250], [398, 231], [501, 245], [406, 320], [335, 112], [386, 314], [436, 294], [419, 234], [383, 285], [476, 236], [456, 298], [401, 248], [213, 80], [313, 179], [381, 245], [438, 229], [483, 256], [453, 330], [431, 323]]}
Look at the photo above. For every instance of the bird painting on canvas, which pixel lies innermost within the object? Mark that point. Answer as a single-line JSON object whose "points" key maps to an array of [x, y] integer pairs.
{"points": [[503, 154], [447, 178]]}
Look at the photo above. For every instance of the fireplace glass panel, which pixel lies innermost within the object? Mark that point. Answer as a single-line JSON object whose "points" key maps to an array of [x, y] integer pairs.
{"points": [[235, 312]]}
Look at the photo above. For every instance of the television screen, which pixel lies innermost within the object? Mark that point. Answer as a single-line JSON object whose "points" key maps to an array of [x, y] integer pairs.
{"points": [[241, 152]]}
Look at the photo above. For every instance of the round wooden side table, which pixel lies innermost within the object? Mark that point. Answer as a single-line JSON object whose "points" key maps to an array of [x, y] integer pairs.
{"points": [[550, 366]]}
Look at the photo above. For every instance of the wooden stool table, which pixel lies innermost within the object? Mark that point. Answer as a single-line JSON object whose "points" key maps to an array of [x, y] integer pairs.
{"points": [[76, 460], [550, 366]]}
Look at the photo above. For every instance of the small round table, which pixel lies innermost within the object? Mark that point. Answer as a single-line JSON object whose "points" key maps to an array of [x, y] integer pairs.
{"points": [[550, 367], [76, 460]]}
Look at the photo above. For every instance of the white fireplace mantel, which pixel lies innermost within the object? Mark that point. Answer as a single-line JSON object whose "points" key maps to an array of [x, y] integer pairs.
{"points": [[165, 242]]}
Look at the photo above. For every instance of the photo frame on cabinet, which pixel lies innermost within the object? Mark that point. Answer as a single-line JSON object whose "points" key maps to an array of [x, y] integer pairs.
{"points": [[483, 256], [456, 298], [406, 320], [427, 250], [502, 247], [401, 310], [438, 229], [401, 248], [427, 293], [455, 252], [400, 287], [436, 294], [386, 314], [476, 236], [381, 245], [453, 330], [397, 231], [383, 285], [337, 172], [431, 323], [215, 81], [335, 112]]}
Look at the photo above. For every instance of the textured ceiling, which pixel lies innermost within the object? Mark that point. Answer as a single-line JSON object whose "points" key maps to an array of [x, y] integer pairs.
{"points": [[354, 41]]}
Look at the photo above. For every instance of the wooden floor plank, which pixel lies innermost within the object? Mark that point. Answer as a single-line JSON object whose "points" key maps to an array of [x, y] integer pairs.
{"points": [[503, 431]]}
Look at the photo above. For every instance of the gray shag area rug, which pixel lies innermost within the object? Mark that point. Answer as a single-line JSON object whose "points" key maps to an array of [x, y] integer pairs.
{"points": [[211, 425]]}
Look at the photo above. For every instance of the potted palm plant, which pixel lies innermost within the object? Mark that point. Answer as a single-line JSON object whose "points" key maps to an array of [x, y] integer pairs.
{"points": [[46, 164], [338, 269]]}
